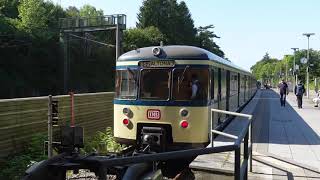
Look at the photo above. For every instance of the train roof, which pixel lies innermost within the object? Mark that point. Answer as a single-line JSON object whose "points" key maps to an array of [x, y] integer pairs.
{"points": [[176, 52]]}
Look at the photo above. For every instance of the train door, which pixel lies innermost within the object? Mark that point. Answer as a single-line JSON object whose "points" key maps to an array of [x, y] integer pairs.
{"points": [[222, 94], [239, 93], [233, 91], [228, 100]]}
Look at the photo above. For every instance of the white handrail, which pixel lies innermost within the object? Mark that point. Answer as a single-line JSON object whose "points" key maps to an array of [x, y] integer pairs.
{"points": [[225, 134], [232, 113]]}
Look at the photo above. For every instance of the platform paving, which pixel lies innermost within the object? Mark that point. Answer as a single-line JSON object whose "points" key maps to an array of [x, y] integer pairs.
{"points": [[286, 140]]}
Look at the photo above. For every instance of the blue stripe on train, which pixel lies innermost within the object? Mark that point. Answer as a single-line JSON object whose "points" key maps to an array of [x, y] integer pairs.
{"points": [[176, 66], [162, 103]]}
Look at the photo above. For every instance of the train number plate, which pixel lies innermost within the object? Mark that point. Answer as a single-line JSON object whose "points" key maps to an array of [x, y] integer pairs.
{"points": [[153, 114], [156, 64]]}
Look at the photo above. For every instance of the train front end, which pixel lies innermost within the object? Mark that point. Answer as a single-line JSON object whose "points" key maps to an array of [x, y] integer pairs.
{"points": [[153, 107]]}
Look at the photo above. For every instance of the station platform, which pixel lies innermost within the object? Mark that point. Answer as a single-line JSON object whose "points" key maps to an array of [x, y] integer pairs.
{"points": [[286, 141]]}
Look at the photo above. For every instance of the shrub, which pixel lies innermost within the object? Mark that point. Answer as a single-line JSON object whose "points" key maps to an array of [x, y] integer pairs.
{"points": [[15, 165], [102, 143]]}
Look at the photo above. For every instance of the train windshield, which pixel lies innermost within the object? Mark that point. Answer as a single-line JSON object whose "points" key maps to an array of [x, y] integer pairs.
{"points": [[155, 84], [126, 84], [184, 79]]}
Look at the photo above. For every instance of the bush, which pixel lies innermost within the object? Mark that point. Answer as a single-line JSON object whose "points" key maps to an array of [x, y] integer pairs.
{"points": [[15, 166], [102, 143]]}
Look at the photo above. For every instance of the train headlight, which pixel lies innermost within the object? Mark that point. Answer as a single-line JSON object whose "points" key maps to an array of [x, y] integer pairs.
{"points": [[126, 111], [184, 113], [184, 124], [156, 51]]}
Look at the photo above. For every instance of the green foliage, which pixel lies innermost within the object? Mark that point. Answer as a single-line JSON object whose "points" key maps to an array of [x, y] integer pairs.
{"points": [[9, 8], [33, 59], [16, 165], [90, 11], [174, 21], [6, 27], [39, 18], [137, 38], [32, 14], [72, 11], [205, 38], [269, 69], [102, 142], [171, 18]]}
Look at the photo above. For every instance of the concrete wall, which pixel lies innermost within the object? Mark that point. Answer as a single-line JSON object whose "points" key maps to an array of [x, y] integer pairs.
{"points": [[23, 117]]}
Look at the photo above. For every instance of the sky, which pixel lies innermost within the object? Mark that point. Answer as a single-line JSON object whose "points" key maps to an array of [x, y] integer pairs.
{"points": [[248, 28]]}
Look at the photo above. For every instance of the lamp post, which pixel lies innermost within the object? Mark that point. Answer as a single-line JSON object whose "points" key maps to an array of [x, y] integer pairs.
{"points": [[308, 36], [287, 56], [294, 66]]}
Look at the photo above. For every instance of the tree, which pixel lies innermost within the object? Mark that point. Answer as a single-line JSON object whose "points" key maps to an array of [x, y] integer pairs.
{"points": [[137, 37], [266, 57], [9, 8], [39, 18], [205, 38], [72, 11], [172, 19], [32, 15], [264, 69], [5, 26], [90, 11]]}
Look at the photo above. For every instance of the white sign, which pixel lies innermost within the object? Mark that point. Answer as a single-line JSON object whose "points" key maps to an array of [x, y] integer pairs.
{"points": [[303, 60], [297, 67], [153, 114]]}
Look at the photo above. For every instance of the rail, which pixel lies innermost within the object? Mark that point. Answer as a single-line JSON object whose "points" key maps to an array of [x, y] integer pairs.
{"points": [[61, 163], [240, 170], [97, 21]]}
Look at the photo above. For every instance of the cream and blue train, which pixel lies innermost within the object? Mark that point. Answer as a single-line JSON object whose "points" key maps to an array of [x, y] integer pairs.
{"points": [[153, 107]]}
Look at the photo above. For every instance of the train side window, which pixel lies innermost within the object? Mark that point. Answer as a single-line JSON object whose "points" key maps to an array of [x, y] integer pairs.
{"points": [[126, 84], [212, 83], [223, 83], [233, 83], [182, 84]]}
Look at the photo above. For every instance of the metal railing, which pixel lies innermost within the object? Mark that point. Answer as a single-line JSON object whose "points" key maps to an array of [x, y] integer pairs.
{"points": [[98, 21], [100, 164], [240, 170]]}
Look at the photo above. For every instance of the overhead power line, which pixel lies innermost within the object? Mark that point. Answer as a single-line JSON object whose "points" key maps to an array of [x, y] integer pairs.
{"points": [[98, 42]]}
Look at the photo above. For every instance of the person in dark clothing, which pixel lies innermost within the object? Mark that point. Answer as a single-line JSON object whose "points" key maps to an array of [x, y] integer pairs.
{"points": [[299, 91], [283, 92], [196, 88]]}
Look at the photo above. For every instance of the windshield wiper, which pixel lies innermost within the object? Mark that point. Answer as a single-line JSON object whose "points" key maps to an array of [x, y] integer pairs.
{"points": [[134, 75], [182, 76]]}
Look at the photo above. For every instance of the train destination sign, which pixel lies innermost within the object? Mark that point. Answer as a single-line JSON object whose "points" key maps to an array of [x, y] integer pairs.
{"points": [[155, 64]]}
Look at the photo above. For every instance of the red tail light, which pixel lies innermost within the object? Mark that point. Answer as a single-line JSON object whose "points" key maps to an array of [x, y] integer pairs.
{"points": [[184, 124], [126, 122]]}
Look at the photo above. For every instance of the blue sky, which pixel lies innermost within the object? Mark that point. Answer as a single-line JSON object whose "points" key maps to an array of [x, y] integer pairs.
{"points": [[248, 28]]}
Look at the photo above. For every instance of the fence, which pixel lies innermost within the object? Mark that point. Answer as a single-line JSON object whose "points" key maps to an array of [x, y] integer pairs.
{"points": [[23, 117]]}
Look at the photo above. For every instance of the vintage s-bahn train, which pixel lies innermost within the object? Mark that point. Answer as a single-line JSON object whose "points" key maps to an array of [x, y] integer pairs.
{"points": [[154, 106]]}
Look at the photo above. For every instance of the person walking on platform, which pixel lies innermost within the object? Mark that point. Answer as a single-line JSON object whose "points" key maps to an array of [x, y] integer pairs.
{"points": [[299, 91], [316, 100], [283, 87]]}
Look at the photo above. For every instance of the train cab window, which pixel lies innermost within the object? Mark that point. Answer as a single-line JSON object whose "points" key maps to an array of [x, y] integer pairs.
{"points": [[126, 84], [182, 84], [155, 84]]}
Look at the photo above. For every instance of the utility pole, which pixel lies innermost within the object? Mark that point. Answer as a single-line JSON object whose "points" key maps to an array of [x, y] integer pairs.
{"points": [[308, 36], [295, 76], [50, 126], [286, 56]]}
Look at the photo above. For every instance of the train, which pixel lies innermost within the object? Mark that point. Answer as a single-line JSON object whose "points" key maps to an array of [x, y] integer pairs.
{"points": [[163, 101], [155, 106]]}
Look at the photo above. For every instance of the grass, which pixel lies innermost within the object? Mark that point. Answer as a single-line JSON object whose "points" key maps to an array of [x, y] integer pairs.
{"points": [[15, 165]]}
